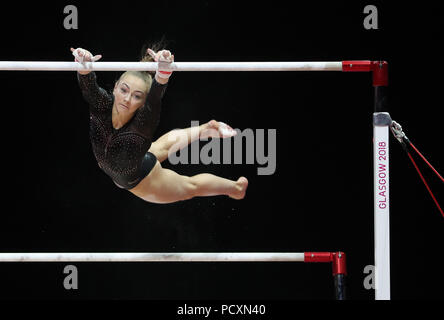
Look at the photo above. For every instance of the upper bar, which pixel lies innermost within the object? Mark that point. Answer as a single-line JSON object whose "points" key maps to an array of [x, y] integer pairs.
{"points": [[152, 257], [175, 66]]}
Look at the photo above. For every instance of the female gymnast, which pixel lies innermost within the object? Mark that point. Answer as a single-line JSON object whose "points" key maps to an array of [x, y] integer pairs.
{"points": [[121, 131]]}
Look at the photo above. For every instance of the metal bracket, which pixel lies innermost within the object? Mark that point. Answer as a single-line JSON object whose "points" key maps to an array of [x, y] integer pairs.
{"points": [[397, 132]]}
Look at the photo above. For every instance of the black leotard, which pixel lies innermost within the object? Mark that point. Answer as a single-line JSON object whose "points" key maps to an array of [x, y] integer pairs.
{"points": [[122, 153]]}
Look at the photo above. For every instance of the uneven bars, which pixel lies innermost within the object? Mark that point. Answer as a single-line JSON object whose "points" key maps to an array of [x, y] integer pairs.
{"points": [[175, 66], [379, 70]]}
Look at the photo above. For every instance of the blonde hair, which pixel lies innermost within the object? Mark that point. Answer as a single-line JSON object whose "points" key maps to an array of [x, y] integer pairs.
{"points": [[146, 76]]}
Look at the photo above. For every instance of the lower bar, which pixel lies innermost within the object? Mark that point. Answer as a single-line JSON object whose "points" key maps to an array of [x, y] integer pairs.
{"points": [[336, 258], [153, 257]]}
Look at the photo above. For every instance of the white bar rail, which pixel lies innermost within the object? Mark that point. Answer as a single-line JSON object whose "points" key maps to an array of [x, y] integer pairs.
{"points": [[175, 66], [152, 257]]}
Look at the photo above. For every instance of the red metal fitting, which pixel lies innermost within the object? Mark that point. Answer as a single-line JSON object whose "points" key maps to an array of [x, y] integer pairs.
{"points": [[339, 265], [318, 257], [378, 68], [357, 65], [380, 73]]}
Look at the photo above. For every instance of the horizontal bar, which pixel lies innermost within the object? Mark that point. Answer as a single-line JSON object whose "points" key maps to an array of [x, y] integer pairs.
{"points": [[176, 66], [152, 257]]}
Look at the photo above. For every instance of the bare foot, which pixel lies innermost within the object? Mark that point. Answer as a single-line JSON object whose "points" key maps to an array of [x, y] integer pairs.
{"points": [[216, 129], [241, 188]]}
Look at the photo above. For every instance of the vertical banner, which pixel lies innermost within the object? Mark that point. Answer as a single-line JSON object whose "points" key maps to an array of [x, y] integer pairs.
{"points": [[381, 128]]}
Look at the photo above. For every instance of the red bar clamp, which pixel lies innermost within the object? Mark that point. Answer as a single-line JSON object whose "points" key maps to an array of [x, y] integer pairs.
{"points": [[357, 66], [380, 73], [378, 68], [337, 259], [339, 265]]}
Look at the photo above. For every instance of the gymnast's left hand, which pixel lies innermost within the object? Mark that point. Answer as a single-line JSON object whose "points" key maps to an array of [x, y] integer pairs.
{"points": [[164, 59]]}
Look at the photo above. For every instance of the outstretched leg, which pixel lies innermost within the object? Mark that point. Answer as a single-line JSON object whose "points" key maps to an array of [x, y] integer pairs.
{"points": [[166, 186], [178, 139]]}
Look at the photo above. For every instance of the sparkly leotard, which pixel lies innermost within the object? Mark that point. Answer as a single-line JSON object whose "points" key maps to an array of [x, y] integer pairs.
{"points": [[122, 153]]}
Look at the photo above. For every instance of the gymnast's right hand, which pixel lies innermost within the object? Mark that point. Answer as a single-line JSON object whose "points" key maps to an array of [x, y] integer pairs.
{"points": [[82, 55]]}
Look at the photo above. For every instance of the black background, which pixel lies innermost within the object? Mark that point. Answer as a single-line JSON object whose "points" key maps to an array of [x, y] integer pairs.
{"points": [[56, 199]]}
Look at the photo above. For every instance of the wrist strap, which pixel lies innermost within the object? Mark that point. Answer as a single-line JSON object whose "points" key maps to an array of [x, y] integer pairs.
{"points": [[163, 74]]}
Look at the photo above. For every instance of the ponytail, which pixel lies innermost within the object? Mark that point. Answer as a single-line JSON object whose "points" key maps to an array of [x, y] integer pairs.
{"points": [[147, 76]]}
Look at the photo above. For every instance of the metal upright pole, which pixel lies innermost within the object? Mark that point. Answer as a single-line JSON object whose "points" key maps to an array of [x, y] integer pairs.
{"points": [[381, 129]]}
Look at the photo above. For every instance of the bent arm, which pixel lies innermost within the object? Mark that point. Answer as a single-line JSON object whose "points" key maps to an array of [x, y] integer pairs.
{"points": [[148, 117], [97, 97], [157, 91]]}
